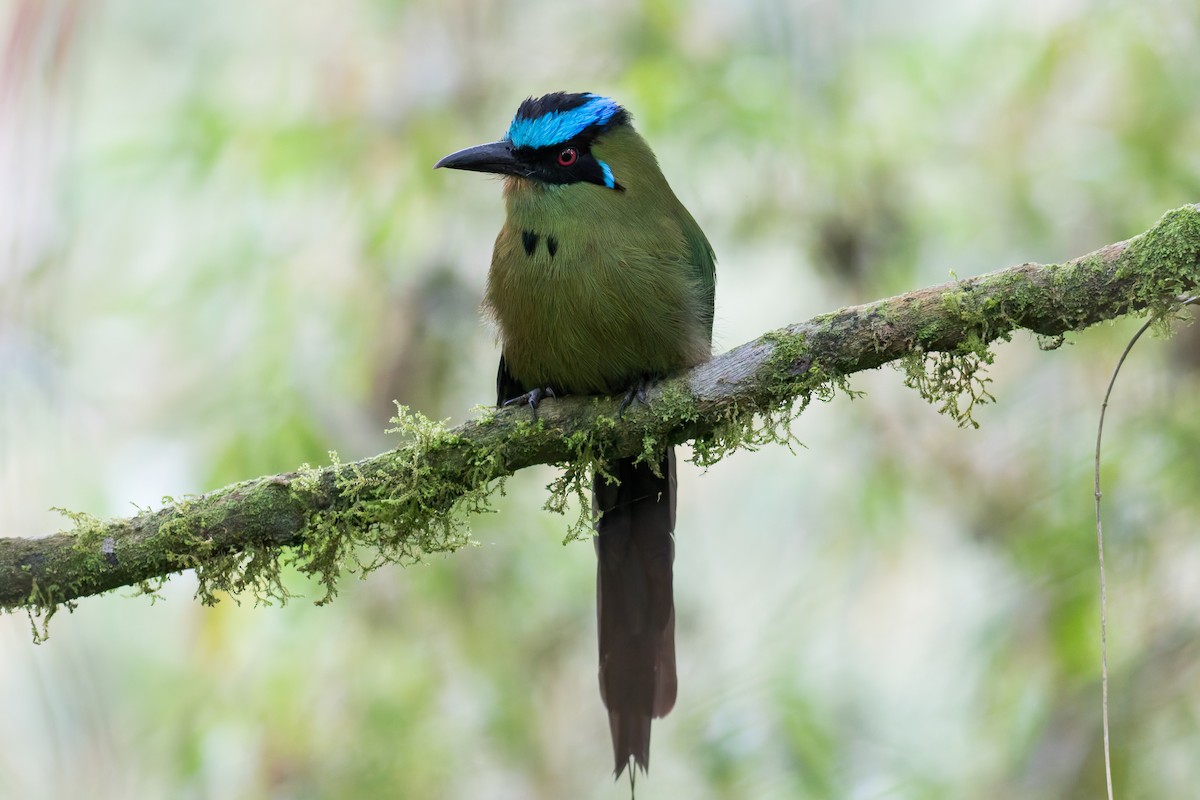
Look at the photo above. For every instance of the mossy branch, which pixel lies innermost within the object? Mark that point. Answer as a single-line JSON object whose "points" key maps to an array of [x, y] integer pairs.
{"points": [[415, 500]]}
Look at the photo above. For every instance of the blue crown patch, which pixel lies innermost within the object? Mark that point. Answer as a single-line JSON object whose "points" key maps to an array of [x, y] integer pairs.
{"points": [[556, 127]]}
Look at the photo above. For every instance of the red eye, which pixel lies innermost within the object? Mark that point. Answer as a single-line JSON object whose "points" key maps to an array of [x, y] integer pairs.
{"points": [[568, 157]]}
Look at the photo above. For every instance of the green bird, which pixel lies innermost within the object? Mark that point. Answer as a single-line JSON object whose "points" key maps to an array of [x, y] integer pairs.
{"points": [[600, 283]]}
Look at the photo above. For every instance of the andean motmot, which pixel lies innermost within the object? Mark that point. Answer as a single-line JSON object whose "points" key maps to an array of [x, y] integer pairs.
{"points": [[600, 282]]}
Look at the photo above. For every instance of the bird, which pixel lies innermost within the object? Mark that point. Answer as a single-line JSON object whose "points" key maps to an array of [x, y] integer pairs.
{"points": [[601, 282]]}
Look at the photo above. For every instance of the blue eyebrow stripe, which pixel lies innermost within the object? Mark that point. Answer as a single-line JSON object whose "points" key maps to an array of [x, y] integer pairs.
{"points": [[561, 126], [609, 180]]}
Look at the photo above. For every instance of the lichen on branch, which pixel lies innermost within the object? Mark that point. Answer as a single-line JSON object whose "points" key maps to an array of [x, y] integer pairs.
{"points": [[419, 498]]}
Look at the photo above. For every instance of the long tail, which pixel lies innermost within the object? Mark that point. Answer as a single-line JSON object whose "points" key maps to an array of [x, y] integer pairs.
{"points": [[635, 606]]}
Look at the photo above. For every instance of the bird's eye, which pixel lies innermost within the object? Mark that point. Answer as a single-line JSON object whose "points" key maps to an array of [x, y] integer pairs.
{"points": [[568, 157]]}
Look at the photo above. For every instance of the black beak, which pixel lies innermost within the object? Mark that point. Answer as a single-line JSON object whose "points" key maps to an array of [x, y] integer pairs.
{"points": [[496, 157]]}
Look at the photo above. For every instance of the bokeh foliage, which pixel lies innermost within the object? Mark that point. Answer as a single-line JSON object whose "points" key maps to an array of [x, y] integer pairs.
{"points": [[225, 253]]}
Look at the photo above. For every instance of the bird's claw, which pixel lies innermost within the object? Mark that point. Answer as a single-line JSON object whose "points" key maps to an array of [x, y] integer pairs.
{"points": [[635, 392], [533, 398]]}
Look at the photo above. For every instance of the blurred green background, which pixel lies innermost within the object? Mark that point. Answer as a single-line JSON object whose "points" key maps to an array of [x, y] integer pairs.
{"points": [[223, 253]]}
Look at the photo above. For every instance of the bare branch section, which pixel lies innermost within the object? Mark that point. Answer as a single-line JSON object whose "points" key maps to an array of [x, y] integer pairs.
{"points": [[410, 501]]}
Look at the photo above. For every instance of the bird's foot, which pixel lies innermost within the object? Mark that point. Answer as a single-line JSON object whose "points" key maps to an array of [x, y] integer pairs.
{"points": [[635, 392], [533, 398]]}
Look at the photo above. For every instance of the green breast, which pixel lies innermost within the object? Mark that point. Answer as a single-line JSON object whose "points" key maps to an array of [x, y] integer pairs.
{"points": [[591, 293]]}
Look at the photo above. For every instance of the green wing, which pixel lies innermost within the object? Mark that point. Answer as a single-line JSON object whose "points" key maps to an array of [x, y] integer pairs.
{"points": [[704, 269]]}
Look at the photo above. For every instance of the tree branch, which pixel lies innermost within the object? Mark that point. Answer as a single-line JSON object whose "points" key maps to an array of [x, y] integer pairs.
{"points": [[413, 500]]}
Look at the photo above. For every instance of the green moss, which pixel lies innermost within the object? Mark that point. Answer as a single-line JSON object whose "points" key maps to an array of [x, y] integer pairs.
{"points": [[87, 549], [974, 314], [1164, 261], [955, 382], [45, 599], [367, 518], [979, 313], [786, 383], [43, 604], [791, 380], [50, 594], [151, 588], [484, 415], [404, 514], [572, 488]]}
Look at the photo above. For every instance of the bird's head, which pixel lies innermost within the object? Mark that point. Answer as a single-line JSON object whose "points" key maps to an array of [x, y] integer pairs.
{"points": [[554, 139]]}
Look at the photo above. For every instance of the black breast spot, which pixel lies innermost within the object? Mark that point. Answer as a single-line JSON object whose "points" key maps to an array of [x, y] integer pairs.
{"points": [[530, 240], [552, 245]]}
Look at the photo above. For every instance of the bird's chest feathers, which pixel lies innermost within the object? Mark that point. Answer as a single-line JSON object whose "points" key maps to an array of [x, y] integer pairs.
{"points": [[590, 305]]}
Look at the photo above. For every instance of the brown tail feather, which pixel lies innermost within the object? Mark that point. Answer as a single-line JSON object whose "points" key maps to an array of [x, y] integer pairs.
{"points": [[635, 606]]}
